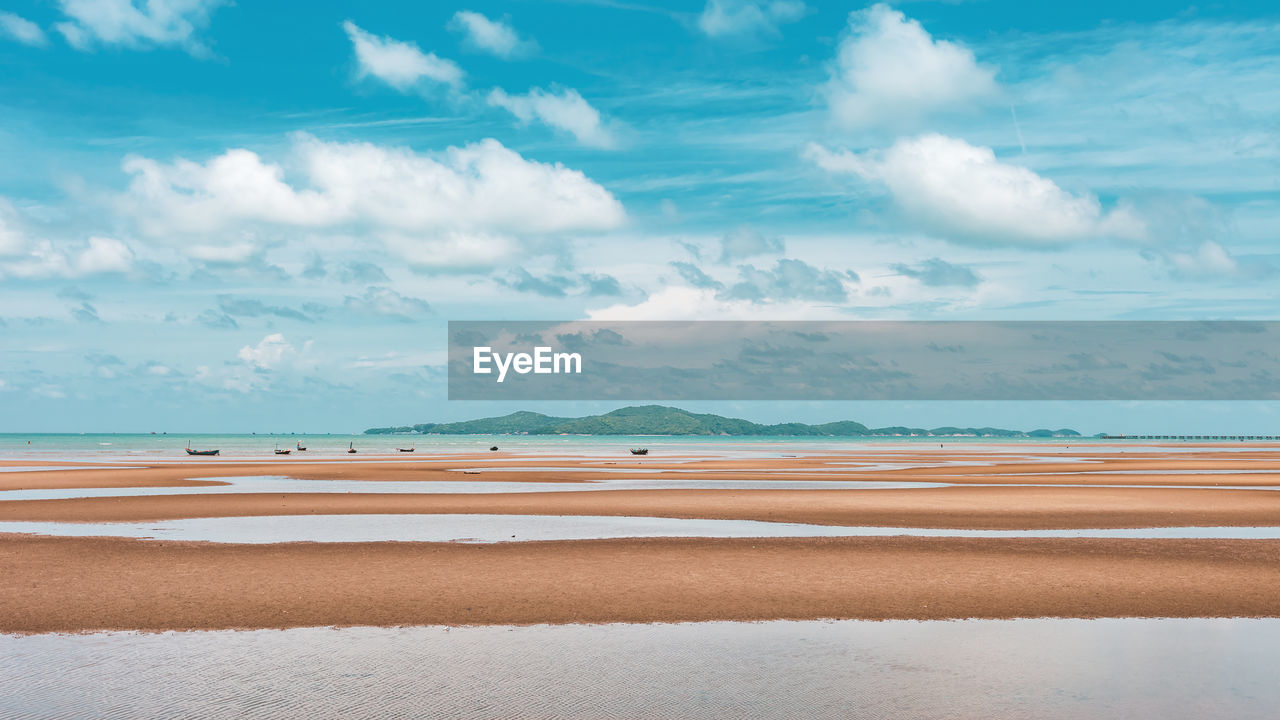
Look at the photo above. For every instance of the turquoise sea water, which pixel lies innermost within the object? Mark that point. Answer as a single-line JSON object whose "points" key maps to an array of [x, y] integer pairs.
{"points": [[110, 447], [121, 447]]}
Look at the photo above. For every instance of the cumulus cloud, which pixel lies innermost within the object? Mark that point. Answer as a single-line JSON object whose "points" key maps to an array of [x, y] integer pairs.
{"points": [[21, 29], [480, 187], [789, 280], [270, 352], [378, 300], [250, 307], [131, 23], [1189, 235], [1208, 259], [564, 110], [557, 286], [745, 242], [457, 251], [888, 70], [43, 259], [522, 280], [456, 208], [936, 272], [361, 272], [722, 18], [399, 64], [231, 253], [694, 275], [493, 36], [679, 302], [965, 193], [103, 255], [12, 240]]}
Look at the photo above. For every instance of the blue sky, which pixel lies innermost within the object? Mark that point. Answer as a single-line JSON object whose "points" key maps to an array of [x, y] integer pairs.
{"points": [[259, 216]]}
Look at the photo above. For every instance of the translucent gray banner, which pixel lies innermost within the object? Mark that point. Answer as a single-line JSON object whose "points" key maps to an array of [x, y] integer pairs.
{"points": [[863, 360]]}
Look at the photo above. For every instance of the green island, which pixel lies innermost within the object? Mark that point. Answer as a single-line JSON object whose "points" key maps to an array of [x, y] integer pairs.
{"points": [[662, 420]]}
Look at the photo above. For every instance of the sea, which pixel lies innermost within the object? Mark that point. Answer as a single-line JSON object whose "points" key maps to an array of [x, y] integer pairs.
{"points": [[120, 447]]}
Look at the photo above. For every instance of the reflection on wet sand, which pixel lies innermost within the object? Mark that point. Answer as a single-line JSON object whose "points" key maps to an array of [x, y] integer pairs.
{"points": [[479, 528], [1046, 668]]}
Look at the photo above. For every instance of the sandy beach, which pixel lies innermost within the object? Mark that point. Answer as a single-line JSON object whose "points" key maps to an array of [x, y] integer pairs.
{"points": [[68, 584]]}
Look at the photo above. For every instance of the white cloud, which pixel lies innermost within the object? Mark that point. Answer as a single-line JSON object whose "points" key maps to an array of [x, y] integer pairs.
{"points": [[1207, 261], [686, 303], [566, 111], [225, 254], [965, 193], [378, 300], [399, 64], [459, 251], [493, 36], [21, 29], [678, 303], [477, 189], [1211, 261], [744, 242], [889, 70], [12, 241], [270, 352], [23, 257], [721, 18], [103, 255], [134, 24]]}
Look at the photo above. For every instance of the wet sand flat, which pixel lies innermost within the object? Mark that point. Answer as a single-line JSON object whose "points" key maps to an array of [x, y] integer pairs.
{"points": [[1052, 466], [75, 584], [951, 507]]}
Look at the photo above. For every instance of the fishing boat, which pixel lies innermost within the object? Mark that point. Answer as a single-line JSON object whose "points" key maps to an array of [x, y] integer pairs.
{"points": [[286, 451], [639, 451], [351, 447], [301, 447], [200, 452], [408, 449], [493, 449]]}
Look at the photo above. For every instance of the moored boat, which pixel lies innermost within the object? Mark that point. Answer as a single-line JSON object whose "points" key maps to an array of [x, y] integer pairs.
{"points": [[200, 452]]}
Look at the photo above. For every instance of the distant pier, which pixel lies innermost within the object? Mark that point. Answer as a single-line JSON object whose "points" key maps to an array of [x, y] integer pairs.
{"points": [[1241, 438]]}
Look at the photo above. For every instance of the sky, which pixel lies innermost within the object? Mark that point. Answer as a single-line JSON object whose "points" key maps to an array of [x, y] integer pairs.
{"points": [[260, 216]]}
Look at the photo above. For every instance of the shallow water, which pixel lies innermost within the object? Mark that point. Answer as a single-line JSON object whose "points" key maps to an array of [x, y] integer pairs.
{"points": [[279, 484], [526, 528], [1042, 668], [125, 446]]}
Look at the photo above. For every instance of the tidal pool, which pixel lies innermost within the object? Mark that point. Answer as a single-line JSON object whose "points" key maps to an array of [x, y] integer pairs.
{"points": [[481, 528], [1040, 668]]}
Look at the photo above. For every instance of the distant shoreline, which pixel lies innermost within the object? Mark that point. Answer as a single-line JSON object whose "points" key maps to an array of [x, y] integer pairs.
{"points": [[663, 421]]}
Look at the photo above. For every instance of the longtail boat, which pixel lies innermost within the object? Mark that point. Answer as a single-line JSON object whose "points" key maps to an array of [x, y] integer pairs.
{"points": [[200, 452]]}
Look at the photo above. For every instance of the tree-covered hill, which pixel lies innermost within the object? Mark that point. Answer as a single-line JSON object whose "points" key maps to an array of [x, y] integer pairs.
{"points": [[662, 420]]}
